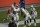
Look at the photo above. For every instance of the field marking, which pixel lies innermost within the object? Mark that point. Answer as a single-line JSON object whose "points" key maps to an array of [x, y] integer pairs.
{"points": [[20, 23], [37, 21]]}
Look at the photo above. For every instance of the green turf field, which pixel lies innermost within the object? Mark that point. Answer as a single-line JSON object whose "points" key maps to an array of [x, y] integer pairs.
{"points": [[38, 25], [4, 13]]}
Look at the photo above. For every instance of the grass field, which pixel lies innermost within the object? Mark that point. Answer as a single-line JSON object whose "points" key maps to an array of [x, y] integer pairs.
{"points": [[38, 25], [4, 13]]}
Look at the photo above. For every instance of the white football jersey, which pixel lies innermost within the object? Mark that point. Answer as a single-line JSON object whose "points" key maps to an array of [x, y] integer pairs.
{"points": [[32, 9], [18, 9], [34, 12], [13, 6]]}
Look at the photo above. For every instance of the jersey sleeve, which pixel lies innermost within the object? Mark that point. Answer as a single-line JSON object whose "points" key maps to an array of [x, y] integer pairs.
{"points": [[12, 6], [33, 9]]}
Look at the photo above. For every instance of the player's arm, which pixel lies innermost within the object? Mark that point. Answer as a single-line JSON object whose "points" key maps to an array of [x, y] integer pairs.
{"points": [[12, 7]]}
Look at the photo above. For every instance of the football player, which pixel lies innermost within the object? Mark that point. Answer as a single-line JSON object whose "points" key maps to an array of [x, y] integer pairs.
{"points": [[33, 14], [22, 4], [26, 13], [10, 12], [16, 11]]}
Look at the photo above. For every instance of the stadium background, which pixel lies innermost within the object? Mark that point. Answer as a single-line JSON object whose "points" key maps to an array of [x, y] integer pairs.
{"points": [[6, 3]]}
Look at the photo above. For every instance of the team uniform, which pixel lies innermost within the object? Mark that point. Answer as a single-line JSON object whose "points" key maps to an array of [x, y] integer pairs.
{"points": [[27, 16], [11, 23], [16, 12], [26, 13], [33, 14], [9, 14], [32, 9], [22, 3]]}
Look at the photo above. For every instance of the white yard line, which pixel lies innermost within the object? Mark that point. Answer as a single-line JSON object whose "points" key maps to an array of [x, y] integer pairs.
{"points": [[20, 23], [37, 21]]}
